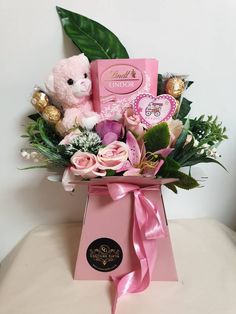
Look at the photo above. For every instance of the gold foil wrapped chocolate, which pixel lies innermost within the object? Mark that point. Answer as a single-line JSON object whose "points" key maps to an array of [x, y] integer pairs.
{"points": [[40, 101], [175, 87], [51, 114], [60, 128]]}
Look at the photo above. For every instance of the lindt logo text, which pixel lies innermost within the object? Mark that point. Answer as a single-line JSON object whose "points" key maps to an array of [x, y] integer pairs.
{"points": [[122, 79], [128, 74]]}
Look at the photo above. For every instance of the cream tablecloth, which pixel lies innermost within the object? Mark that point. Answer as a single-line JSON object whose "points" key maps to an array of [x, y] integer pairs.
{"points": [[36, 278]]}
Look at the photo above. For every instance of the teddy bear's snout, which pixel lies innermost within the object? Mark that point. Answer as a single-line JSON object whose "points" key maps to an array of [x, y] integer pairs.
{"points": [[82, 88]]}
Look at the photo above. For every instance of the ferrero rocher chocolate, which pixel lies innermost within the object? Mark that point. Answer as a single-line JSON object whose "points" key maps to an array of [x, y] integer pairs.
{"points": [[174, 87], [60, 128], [40, 101], [51, 114]]}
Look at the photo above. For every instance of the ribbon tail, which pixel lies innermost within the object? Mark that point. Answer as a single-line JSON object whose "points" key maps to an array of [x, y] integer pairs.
{"points": [[139, 279], [123, 285], [147, 228], [153, 224]]}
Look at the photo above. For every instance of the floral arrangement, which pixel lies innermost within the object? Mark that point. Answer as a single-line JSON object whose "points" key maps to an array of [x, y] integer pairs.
{"points": [[124, 146]]}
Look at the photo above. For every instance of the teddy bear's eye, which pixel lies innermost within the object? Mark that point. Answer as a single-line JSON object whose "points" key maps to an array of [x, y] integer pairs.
{"points": [[85, 75], [70, 82]]}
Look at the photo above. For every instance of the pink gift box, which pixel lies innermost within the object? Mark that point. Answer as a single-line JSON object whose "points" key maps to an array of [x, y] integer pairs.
{"points": [[117, 82], [106, 246]]}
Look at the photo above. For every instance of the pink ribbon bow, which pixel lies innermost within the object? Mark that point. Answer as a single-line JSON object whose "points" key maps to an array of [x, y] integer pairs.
{"points": [[147, 228]]}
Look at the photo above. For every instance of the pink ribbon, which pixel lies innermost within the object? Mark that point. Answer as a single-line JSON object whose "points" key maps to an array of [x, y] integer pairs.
{"points": [[147, 228]]}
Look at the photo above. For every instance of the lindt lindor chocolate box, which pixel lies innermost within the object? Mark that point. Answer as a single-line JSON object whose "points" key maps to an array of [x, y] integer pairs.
{"points": [[117, 82]]}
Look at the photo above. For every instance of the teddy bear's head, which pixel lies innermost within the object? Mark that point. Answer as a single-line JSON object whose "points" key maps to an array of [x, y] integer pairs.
{"points": [[70, 81]]}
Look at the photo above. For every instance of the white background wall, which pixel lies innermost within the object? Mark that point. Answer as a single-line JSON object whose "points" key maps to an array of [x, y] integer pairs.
{"points": [[187, 36]]}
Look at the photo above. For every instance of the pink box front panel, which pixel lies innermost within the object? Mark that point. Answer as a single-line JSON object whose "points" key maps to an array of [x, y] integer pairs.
{"points": [[105, 218], [117, 82]]}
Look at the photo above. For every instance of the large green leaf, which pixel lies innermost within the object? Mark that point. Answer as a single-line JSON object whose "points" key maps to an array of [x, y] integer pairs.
{"points": [[157, 137], [92, 38]]}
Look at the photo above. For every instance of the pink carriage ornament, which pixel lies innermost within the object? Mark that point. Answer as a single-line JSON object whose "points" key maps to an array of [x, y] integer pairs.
{"points": [[154, 109]]}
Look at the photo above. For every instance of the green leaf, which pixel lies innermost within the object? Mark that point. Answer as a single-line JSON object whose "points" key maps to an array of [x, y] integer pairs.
{"points": [[92, 38], [34, 116], [34, 167], [53, 157], [187, 152], [208, 130], [43, 134], [201, 159], [185, 108], [160, 85], [172, 187], [169, 166], [110, 173], [157, 137], [189, 83], [185, 182]]}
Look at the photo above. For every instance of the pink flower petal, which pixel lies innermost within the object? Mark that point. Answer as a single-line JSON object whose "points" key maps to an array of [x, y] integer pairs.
{"points": [[158, 166], [133, 149], [109, 138], [165, 151], [132, 172], [126, 166]]}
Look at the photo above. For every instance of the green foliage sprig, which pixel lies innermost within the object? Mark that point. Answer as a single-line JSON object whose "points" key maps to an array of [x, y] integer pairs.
{"points": [[43, 138], [207, 134], [208, 131]]}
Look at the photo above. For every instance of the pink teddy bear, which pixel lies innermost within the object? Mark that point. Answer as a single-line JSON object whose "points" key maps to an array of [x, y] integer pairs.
{"points": [[70, 84]]}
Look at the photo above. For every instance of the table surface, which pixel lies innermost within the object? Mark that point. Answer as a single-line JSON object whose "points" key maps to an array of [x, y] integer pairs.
{"points": [[37, 277]]}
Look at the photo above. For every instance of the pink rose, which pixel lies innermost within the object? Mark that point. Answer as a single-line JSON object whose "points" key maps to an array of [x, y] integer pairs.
{"points": [[113, 156], [86, 165], [68, 139], [176, 127], [133, 122]]}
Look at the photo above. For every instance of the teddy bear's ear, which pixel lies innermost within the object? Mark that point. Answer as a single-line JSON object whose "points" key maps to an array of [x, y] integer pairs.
{"points": [[84, 59], [50, 84]]}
